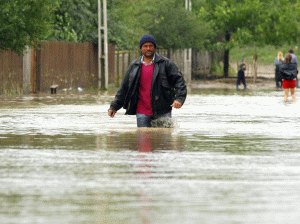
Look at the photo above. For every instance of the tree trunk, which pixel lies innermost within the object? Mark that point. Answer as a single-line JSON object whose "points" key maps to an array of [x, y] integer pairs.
{"points": [[226, 63], [226, 55]]}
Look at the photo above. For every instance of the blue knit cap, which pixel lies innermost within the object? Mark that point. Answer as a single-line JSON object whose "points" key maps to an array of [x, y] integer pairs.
{"points": [[147, 38]]}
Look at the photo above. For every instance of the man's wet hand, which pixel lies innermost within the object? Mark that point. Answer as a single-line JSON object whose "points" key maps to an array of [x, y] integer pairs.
{"points": [[111, 113], [176, 104]]}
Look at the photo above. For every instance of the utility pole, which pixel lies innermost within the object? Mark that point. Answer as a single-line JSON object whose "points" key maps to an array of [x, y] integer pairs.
{"points": [[102, 55], [27, 62], [188, 52]]}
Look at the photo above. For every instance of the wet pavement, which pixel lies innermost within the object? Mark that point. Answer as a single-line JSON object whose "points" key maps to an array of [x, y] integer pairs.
{"points": [[233, 157]]}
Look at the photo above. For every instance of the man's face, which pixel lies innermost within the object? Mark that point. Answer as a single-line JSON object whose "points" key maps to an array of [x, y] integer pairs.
{"points": [[148, 49]]}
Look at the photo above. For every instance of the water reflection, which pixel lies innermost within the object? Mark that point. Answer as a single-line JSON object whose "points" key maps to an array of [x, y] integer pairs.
{"points": [[144, 140], [141, 143]]}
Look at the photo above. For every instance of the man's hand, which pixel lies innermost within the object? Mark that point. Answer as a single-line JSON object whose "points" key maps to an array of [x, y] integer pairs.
{"points": [[111, 113], [176, 104]]}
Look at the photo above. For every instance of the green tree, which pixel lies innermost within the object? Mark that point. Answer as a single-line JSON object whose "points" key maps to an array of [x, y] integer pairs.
{"points": [[168, 21], [171, 24], [77, 21], [24, 23], [74, 21], [121, 31], [250, 22], [174, 26]]}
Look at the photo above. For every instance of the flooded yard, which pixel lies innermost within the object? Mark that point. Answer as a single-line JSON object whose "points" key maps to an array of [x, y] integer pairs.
{"points": [[233, 157]]}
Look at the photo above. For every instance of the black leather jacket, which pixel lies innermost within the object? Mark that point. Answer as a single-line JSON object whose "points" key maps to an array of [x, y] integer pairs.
{"points": [[167, 85], [288, 71]]}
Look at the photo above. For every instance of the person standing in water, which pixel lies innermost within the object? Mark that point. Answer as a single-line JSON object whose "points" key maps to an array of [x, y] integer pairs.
{"points": [[288, 73], [278, 61], [241, 75], [152, 86], [294, 61]]}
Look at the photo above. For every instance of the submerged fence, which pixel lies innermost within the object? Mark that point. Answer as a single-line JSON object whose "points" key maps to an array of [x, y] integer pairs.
{"points": [[73, 65]]}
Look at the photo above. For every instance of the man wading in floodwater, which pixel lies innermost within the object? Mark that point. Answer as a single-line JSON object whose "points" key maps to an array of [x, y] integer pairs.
{"points": [[151, 87]]}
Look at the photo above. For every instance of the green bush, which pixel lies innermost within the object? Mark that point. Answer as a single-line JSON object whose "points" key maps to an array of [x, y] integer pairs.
{"points": [[217, 69]]}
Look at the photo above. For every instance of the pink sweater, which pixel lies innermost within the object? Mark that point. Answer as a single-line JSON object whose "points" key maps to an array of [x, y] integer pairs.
{"points": [[144, 102]]}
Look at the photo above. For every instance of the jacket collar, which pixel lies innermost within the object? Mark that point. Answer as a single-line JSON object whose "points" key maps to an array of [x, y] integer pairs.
{"points": [[158, 58]]}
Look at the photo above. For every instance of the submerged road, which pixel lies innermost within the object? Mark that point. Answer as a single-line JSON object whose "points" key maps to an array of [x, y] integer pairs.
{"points": [[233, 157]]}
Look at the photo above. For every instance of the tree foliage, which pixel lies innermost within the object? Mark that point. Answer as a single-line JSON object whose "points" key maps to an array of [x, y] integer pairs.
{"points": [[122, 29], [250, 22], [74, 21], [171, 24], [77, 21], [24, 23], [168, 21], [211, 24]]}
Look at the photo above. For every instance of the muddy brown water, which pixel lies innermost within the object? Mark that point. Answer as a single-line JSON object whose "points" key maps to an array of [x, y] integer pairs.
{"points": [[233, 157]]}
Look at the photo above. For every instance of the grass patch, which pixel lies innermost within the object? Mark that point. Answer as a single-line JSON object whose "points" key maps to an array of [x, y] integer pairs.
{"points": [[11, 89], [10, 85], [218, 70], [266, 54]]}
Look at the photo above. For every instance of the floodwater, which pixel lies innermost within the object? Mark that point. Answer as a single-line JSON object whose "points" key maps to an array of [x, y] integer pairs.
{"points": [[233, 157]]}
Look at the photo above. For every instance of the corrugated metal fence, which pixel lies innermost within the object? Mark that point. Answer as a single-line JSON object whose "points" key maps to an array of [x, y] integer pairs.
{"points": [[68, 65]]}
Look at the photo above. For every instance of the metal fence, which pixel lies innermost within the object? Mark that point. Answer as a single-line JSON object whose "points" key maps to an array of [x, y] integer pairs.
{"points": [[68, 65]]}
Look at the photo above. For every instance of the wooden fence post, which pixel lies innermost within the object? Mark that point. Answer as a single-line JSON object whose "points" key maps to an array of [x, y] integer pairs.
{"points": [[254, 67]]}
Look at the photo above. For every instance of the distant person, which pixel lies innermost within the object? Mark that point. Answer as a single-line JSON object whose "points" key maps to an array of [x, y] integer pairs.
{"points": [[294, 58], [278, 61], [294, 61], [288, 73], [241, 75], [152, 86]]}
